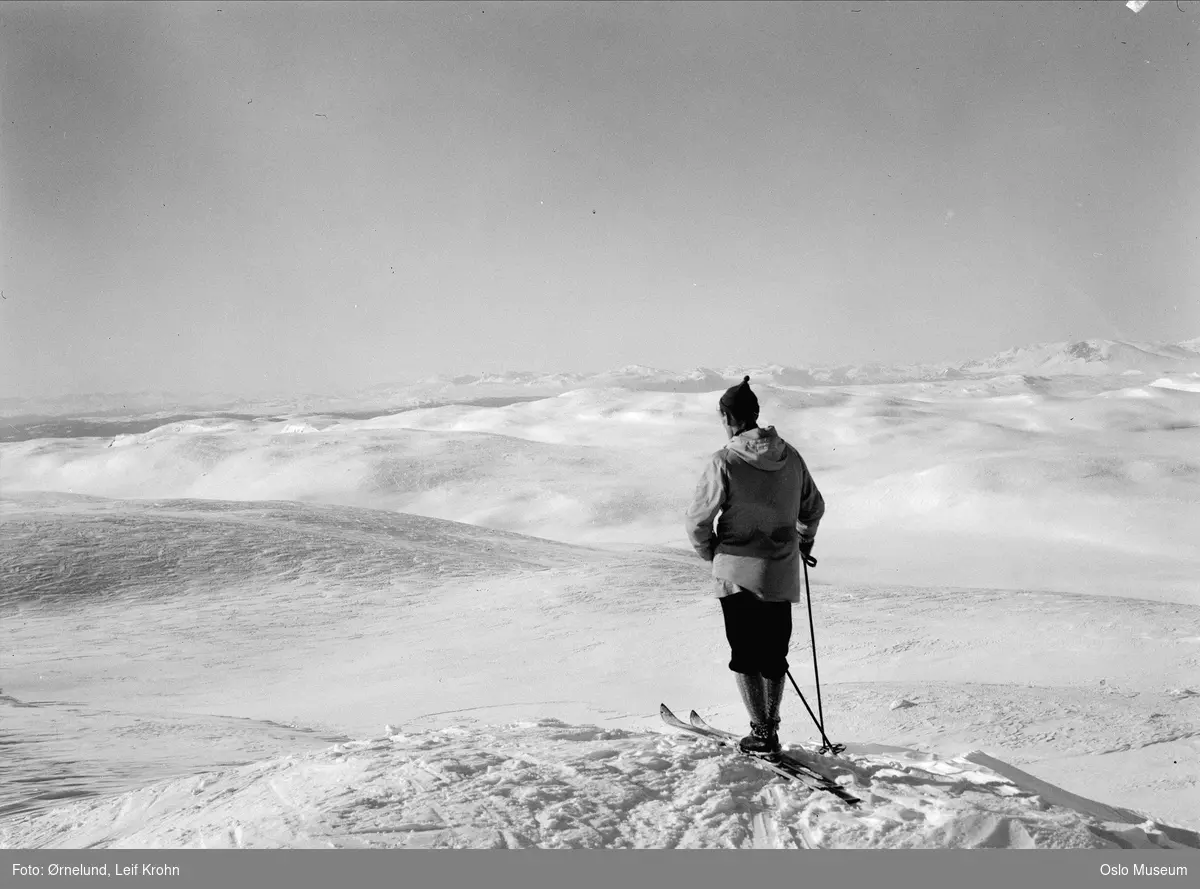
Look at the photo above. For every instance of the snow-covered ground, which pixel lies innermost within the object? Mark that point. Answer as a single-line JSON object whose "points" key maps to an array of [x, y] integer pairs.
{"points": [[454, 625]]}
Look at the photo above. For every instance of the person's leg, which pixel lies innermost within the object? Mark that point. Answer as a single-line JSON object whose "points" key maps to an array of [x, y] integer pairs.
{"points": [[777, 637], [773, 688], [738, 611], [774, 632], [750, 686], [758, 634]]}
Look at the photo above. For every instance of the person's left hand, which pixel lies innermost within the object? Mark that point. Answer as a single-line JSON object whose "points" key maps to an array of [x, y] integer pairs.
{"points": [[806, 547]]}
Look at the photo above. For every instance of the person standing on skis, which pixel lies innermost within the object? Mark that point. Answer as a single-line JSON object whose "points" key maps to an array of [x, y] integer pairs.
{"points": [[769, 509]]}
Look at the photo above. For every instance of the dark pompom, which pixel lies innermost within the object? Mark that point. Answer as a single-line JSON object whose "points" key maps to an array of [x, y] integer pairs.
{"points": [[746, 379]]}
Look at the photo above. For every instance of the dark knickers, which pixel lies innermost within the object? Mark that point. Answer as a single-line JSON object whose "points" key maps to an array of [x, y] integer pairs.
{"points": [[758, 634]]}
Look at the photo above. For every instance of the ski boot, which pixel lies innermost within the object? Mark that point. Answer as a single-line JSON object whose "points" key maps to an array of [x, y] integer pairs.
{"points": [[763, 708], [763, 740]]}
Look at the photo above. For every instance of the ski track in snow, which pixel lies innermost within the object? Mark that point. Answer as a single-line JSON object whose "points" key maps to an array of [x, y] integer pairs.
{"points": [[1022, 619]]}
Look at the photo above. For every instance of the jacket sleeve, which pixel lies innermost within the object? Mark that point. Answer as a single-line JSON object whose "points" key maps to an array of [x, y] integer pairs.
{"points": [[706, 503], [812, 505]]}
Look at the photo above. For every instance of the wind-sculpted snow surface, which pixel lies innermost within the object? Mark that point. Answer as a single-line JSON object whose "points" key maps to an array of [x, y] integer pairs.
{"points": [[551, 785], [193, 611], [1085, 484], [64, 549], [183, 638]]}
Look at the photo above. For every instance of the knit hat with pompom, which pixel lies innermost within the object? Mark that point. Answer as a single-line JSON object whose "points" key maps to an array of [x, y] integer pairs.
{"points": [[740, 403]]}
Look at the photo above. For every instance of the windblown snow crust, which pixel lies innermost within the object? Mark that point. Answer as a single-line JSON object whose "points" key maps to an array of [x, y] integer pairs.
{"points": [[552, 785], [206, 620]]}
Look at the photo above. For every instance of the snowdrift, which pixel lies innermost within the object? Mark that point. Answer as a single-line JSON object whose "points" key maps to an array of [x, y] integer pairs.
{"points": [[194, 608], [551, 785]]}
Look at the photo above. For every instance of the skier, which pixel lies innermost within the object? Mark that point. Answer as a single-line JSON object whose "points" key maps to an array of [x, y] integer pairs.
{"points": [[769, 510]]}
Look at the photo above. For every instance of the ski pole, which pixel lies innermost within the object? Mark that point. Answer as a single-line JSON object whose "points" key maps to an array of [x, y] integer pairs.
{"points": [[819, 719], [804, 701], [809, 562], [827, 745], [812, 636]]}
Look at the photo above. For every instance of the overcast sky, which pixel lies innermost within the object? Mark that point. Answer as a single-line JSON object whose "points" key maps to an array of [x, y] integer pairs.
{"points": [[276, 197]]}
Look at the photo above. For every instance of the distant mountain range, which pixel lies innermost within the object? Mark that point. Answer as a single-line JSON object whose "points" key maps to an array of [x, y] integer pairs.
{"points": [[1084, 357]]}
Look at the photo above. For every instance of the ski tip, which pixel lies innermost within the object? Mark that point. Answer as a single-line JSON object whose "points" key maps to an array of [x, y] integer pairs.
{"points": [[664, 710]]}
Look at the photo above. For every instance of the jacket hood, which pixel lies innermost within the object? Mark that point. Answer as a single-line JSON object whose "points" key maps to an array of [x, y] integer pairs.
{"points": [[761, 448]]}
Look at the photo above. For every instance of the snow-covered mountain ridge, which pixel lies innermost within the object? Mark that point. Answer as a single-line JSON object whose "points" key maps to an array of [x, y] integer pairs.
{"points": [[1088, 358]]}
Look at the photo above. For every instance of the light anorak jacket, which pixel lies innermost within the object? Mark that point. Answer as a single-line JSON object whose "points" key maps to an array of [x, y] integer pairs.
{"points": [[767, 504]]}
